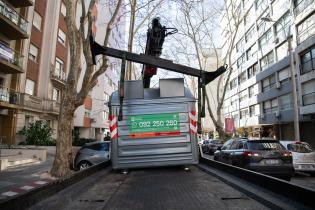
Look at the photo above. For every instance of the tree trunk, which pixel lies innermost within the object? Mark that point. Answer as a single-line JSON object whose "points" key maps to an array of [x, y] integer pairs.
{"points": [[64, 159], [130, 38]]}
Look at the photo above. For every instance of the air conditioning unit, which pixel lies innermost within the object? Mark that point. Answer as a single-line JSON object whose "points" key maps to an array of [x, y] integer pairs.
{"points": [[278, 85], [93, 120], [276, 41], [277, 114]]}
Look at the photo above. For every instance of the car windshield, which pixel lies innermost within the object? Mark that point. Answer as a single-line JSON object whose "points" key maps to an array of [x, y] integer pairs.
{"points": [[265, 145], [300, 147]]}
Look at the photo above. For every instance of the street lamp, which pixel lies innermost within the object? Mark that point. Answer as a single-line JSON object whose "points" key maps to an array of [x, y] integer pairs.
{"points": [[293, 81]]}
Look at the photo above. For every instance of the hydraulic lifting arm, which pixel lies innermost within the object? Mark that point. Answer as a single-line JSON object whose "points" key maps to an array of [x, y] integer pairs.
{"points": [[151, 62]]}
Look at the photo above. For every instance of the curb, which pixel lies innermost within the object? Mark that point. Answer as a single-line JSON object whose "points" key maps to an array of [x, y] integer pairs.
{"points": [[27, 199]]}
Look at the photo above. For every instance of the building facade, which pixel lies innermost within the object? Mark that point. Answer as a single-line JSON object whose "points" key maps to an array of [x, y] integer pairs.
{"points": [[34, 61], [259, 96], [15, 26]]}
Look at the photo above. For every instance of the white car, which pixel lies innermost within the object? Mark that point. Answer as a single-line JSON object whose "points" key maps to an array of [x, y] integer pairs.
{"points": [[303, 156]]}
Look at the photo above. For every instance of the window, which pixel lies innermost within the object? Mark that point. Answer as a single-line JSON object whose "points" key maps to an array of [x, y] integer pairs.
{"points": [[59, 64], [61, 37], [266, 61], [242, 77], [283, 75], [37, 21], [233, 83], [308, 61], [283, 27], [29, 87], [308, 92], [33, 53], [252, 71], [28, 120], [243, 95], [252, 90], [261, 5], [250, 34], [270, 106], [63, 9], [265, 40], [240, 45], [251, 52], [252, 110], [282, 51], [243, 113], [268, 83], [286, 102], [241, 60], [306, 29], [56, 94]]}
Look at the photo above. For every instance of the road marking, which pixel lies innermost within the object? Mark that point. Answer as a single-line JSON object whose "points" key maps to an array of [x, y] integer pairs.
{"points": [[40, 182], [10, 193], [26, 187]]}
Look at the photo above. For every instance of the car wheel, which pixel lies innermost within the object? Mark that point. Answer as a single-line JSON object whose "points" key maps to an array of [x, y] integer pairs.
{"points": [[84, 165]]}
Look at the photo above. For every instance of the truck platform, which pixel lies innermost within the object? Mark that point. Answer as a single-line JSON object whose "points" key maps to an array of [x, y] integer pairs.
{"points": [[148, 189]]}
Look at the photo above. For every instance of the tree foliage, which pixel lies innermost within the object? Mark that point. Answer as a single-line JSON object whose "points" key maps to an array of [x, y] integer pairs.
{"points": [[37, 133]]}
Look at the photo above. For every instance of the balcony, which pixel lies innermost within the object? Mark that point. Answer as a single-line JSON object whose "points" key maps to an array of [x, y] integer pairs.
{"points": [[51, 106], [21, 3], [11, 62], [58, 77], [14, 24], [31, 102], [8, 98], [302, 6]]}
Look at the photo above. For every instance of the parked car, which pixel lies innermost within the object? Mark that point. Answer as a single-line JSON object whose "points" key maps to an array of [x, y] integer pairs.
{"points": [[91, 154], [214, 145], [303, 156], [264, 156], [204, 146]]}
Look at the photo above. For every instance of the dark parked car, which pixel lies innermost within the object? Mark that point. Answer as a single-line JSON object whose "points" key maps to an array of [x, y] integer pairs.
{"points": [[204, 146], [264, 156], [214, 145], [91, 154]]}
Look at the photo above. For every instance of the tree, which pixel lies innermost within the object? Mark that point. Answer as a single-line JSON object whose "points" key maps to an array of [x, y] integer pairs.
{"points": [[198, 22], [74, 93]]}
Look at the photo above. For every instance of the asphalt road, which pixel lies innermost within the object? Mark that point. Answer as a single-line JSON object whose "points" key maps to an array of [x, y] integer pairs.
{"points": [[301, 179]]}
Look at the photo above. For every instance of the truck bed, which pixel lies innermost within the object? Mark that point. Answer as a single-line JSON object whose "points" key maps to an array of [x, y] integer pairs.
{"points": [[148, 189]]}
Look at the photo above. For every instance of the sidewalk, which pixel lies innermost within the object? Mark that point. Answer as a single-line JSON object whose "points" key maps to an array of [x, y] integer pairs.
{"points": [[23, 178]]}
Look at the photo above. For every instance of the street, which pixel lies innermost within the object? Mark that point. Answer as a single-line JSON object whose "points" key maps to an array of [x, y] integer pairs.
{"points": [[300, 179]]}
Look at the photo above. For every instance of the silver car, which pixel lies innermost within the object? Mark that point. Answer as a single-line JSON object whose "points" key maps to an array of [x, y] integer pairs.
{"points": [[303, 156], [91, 154]]}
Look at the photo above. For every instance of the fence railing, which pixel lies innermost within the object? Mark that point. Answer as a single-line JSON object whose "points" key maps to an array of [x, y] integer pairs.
{"points": [[9, 55], [58, 74]]}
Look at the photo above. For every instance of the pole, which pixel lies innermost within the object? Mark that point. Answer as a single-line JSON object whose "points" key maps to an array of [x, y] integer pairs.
{"points": [[294, 93]]}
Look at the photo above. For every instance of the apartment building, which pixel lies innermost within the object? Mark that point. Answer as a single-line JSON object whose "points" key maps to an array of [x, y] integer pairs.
{"points": [[34, 61], [259, 96], [15, 16]]}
